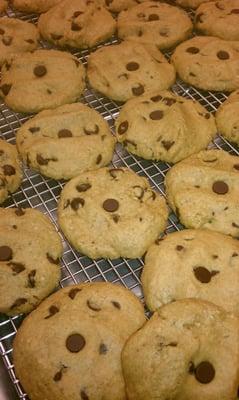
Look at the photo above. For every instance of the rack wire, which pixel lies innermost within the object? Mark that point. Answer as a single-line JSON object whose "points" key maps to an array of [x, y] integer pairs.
{"points": [[42, 193]]}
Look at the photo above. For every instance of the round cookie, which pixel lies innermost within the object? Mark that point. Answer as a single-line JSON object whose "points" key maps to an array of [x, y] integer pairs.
{"points": [[190, 3], [189, 349], [33, 6], [30, 249], [3, 6], [74, 341], [227, 118], [203, 191], [66, 141], [77, 23], [220, 18], [40, 80], [16, 36], [129, 69], [10, 170], [164, 126], [158, 23], [208, 63], [192, 263], [111, 213]]}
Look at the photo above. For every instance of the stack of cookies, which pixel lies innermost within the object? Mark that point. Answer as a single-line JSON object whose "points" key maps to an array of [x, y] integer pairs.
{"points": [[92, 341]]}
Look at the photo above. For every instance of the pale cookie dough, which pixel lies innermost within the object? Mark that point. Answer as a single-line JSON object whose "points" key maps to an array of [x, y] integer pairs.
{"points": [[40, 80], [33, 6], [10, 170], [203, 191], [16, 36], [154, 23], [73, 341], [129, 69], [66, 141], [30, 249], [219, 18], [111, 213], [77, 23], [164, 126], [192, 263], [208, 63], [188, 350], [227, 118]]}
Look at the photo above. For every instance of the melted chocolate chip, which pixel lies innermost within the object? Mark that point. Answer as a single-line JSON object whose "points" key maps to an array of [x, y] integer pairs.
{"points": [[83, 395], [156, 98], [192, 50], [41, 160], [58, 376], [236, 166], [156, 115], [75, 343], [7, 40], [55, 36], [73, 292], [77, 13], [199, 18], [76, 203], [202, 274], [8, 170], [116, 304], [132, 66], [204, 372], [223, 55], [111, 205], [31, 279], [17, 268], [19, 302], [75, 26], [123, 127], [83, 187], [114, 172], [95, 131], [116, 218], [235, 11], [167, 144], [5, 88], [39, 71], [5, 253], [93, 306], [179, 247], [52, 260], [235, 225], [64, 133], [169, 101], [220, 187], [219, 6], [99, 159], [138, 90], [34, 129], [52, 311], [30, 41], [2, 31], [103, 349], [153, 17]]}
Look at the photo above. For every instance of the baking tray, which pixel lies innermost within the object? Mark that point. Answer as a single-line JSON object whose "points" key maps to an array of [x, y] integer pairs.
{"points": [[43, 194]]}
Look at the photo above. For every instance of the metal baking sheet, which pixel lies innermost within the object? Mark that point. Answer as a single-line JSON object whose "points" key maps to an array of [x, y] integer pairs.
{"points": [[43, 194]]}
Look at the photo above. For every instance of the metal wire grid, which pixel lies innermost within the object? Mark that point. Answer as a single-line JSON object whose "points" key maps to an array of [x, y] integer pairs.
{"points": [[43, 194]]}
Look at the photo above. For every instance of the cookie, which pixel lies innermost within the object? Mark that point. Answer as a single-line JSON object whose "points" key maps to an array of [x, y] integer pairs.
{"points": [[190, 3], [74, 341], [208, 63], [66, 141], [158, 23], [3, 6], [33, 6], [129, 69], [189, 349], [220, 18], [30, 249], [227, 119], [111, 213], [163, 126], [10, 170], [203, 191], [16, 36], [192, 263], [40, 80]]}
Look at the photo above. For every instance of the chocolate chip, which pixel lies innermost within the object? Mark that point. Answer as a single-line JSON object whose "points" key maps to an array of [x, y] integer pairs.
{"points": [[30, 41], [95, 131], [73, 292], [93, 306], [83, 395], [164, 33], [34, 129], [2, 31], [235, 225], [99, 159], [199, 18], [123, 127], [41, 160], [116, 304], [219, 6], [235, 11], [75, 26], [5, 253], [138, 90], [17, 268], [58, 376], [153, 17], [103, 349], [220, 187], [191, 368], [7, 40], [223, 55], [169, 101], [179, 247], [192, 50], [156, 98], [64, 133], [114, 172], [5, 88], [40, 70], [156, 115], [83, 187], [75, 343], [111, 205], [8, 170], [49, 91], [116, 218], [214, 272], [31, 279], [235, 254], [52, 260], [132, 66], [236, 166], [19, 302], [204, 372], [54, 36], [52, 311], [202, 274], [77, 13], [76, 203], [167, 144]]}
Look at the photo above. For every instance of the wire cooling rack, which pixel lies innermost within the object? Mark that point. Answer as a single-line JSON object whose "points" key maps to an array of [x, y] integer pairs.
{"points": [[43, 194]]}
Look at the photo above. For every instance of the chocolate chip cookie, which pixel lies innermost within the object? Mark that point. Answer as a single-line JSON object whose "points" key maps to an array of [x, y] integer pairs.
{"points": [[77, 23], [220, 18], [66, 141], [30, 249], [208, 63], [128, 70], [158, 23], [74, 339], [163, 126], [10, 170], [190, 3], [192, 263], [111, 213], [16, 36], [40, 80], [227, 118], [33, 6], [3, 6], [189, 349], [203, 190]]}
